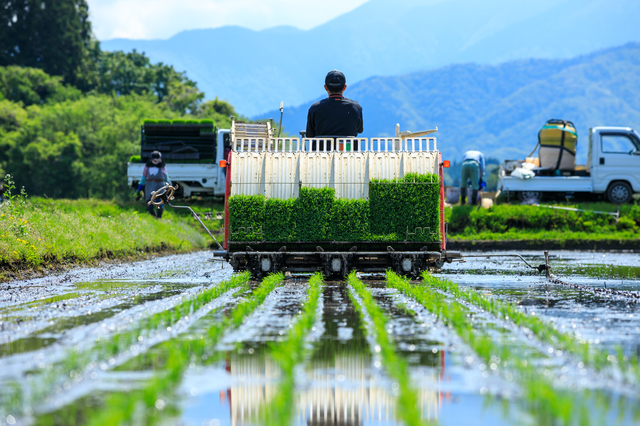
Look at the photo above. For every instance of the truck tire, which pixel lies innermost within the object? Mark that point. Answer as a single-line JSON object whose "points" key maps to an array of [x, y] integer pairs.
{"points": [[619, 192], [527, 195]]}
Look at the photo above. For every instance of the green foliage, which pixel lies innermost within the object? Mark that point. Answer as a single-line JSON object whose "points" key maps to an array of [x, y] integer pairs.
{"points": [[508, 221], [246, 217], [135, 159], [52, 35], [29, 86], [133, 73]]}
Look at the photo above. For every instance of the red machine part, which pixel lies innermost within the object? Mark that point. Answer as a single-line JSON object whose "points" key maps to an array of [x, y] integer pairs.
{"points": [[227, 194], [443, 244]]}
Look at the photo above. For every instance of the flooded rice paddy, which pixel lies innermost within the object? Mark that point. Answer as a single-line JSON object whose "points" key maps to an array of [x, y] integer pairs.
{"points": [[176, 340]]}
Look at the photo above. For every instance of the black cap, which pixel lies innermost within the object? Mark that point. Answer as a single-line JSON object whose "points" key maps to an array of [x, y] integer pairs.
{"points": [[156, 154], [335, 79]]}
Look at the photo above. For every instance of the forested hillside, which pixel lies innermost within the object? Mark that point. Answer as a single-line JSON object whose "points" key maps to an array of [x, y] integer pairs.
{"points": [[499, 109], [255, 70], [69, 134]]}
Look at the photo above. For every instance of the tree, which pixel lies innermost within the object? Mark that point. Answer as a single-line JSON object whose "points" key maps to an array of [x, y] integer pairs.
{"points": [[133, 72], [53, 35], [30, 86]]}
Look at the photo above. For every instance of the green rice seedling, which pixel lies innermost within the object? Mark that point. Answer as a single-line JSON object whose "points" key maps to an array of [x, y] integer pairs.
{"points": [[290, 353], [415, 203], [592, 357], [407, 403], [148, 402], [349, 221], [316, 215], [280, 220], [76, 361], [313, 207], [546, 403], [246, 217]]}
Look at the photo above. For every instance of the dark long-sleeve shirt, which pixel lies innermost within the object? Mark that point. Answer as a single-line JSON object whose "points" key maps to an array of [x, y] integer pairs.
{"points": [[334, 116]]}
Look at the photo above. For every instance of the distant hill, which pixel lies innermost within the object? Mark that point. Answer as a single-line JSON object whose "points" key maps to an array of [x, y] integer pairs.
{"points": [[255, 70], [499, 109]]}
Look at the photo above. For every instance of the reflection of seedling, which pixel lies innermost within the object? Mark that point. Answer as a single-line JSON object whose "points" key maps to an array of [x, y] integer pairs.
{"points": [[408, 406], [290, 353], [548, 404]]}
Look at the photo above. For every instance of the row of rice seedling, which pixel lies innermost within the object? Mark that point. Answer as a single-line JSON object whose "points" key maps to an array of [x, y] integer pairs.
{"points": [[146, 403], [592, 357], [408, 409], [543, 400], [290, 353], [79, 363]]}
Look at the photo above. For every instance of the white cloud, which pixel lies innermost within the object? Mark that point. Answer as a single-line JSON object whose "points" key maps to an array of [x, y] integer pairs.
{"points": [[151, 19]]}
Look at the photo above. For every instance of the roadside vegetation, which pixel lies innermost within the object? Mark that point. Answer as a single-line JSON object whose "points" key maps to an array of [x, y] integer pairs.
{"points": [[522, 222], [38, 233]]}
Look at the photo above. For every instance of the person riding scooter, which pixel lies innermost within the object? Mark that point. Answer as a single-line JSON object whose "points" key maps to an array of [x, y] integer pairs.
{"points": [[154, 177]]}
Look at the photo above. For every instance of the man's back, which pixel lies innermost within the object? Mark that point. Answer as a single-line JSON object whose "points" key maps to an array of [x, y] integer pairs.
{"points": [[334, 116]]}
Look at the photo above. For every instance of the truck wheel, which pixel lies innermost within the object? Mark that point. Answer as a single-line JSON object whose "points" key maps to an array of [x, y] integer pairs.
{"points": [[528, 195], [619, 192]]}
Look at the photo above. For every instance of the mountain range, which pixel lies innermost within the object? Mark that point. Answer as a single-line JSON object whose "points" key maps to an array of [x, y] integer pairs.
{"points": [[255, 70], [499, 108]]}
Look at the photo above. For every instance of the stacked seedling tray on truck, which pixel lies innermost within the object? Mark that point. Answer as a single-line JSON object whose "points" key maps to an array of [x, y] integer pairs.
{"points": [[179, 141]]}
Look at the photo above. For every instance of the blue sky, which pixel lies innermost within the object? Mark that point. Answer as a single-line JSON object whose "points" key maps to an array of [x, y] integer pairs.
{"points": [[153, 19]]}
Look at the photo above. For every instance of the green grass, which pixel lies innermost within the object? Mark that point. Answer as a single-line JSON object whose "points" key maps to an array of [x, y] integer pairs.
{"points": [[408, 408], [41, 232], [290, 353]]}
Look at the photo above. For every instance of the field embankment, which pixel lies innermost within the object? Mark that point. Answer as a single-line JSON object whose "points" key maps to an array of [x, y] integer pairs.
{"points": [[514, 227], [39, 235]]}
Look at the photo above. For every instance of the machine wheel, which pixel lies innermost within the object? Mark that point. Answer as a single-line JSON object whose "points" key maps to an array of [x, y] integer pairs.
{"points": [[619, 192], [527, 195]]}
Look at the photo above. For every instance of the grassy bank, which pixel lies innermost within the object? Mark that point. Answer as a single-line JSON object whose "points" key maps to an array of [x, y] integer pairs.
{"points": [[40, 233], [519, 222]]}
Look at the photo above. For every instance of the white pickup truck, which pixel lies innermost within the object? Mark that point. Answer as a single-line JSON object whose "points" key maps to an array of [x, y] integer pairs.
{"points": [[192, 153], [612, 169]]}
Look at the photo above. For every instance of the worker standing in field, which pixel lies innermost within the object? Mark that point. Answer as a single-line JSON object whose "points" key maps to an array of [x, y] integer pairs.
{"points": [[154, 177], [335, 115], [472, 169]]}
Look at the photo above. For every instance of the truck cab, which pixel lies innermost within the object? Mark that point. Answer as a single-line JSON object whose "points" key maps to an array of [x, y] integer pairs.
{"points": [[612, 169], [614, 162]]}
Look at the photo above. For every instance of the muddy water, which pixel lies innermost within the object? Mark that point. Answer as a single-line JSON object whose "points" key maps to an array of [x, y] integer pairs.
{"points": [[600, 321], [342, 382]]}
